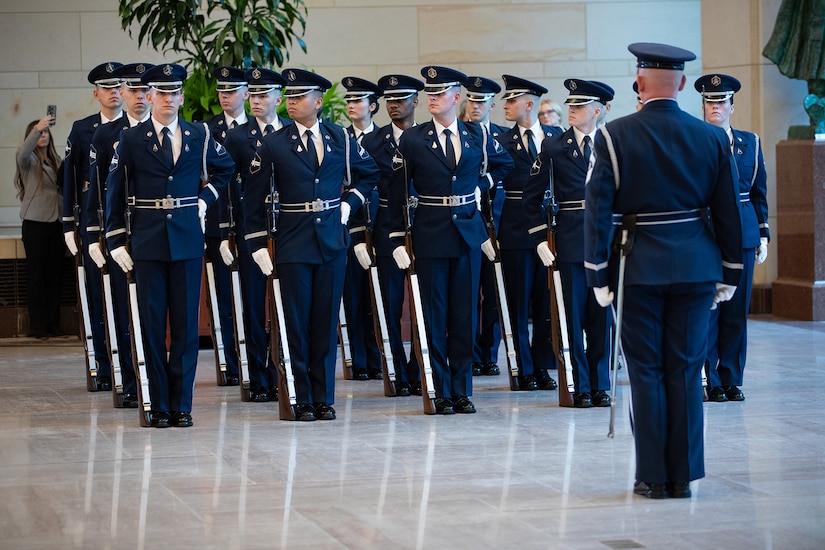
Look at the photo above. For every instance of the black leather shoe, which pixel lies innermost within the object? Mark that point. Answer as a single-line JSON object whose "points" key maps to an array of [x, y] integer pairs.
{"points": [[545, 381], [161, 419], [104, 383], [258, 395], [304, 413], [678, 489], [273, 393], [402, 389], [129, 401], [600, 399], [717, 394], [582, 400], [650, 490], [528, 383], [477, 368], [360, 373], [463, 405], [375, 375], [733, 393], [324, 411], [444, 406], [233, 380], [488, 368], [415, 388], [181, 419]]}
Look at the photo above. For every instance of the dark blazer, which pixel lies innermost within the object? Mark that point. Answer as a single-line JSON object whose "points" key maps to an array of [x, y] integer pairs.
{"points": [[101, 151], [439, 232], [163, 235], [76, 172], [668, 161], [314, 237], [753, 187]]}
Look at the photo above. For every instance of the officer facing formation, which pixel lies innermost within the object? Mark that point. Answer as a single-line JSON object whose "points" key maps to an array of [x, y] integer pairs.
{"points": [[102, 149], [362, 103], [401, 94], [563, 164], [76, 219], [481, 95], [155, 175], [727, 335], [525, 277], [303, 165], [232, 93], [241, 143], [445, 158], [656, 172]]}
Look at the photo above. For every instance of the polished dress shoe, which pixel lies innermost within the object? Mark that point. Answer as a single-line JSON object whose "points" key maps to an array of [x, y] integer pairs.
{"points": [[488, 368], [444, 406], [129, 401], [582, 400], [717, 394], [415, 388], [273, 393], [402, 389], [324, 411], [104, 383], [528, 383], [181, 419], [650, 490], [733, 393], [600, 399], [375, 375], [304, 412], [545, 381], [161, 419], [360, 373], [477, 368], [233, 380], [678, 489], [258, 395], [463, 405]]}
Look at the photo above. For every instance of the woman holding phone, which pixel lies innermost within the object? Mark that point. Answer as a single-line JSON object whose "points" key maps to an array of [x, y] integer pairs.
{"points": [[36, 180]]}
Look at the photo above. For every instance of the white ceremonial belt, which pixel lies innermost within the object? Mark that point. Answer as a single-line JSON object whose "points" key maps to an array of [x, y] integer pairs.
{"points": [[449, 200], [318, 205], [514, 194], [168, 203], [571, 205]]}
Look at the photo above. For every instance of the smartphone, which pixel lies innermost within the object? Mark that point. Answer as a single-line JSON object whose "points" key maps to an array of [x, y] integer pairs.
{"points": [[52, 111]]}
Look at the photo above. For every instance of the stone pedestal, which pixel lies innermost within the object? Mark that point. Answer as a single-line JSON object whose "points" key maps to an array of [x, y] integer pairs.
{"points": [[799, 290]]}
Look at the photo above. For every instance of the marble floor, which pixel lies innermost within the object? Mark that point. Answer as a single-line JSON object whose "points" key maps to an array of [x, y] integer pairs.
{"points": [[521, 473]]}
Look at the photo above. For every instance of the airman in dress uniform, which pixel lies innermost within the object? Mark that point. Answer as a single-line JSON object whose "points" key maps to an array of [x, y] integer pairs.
{"points": [[525, 277], [362, 104], [449, 161], [75, 188], [656, 173], [241, 143], [101, 151], [306, 163], [156, 176], [728, 336]]}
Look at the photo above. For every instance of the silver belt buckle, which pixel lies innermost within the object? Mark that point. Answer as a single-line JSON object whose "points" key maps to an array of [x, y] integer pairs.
{"points": [[454, 200], [412, 202], [167, 203], [317, 205]]}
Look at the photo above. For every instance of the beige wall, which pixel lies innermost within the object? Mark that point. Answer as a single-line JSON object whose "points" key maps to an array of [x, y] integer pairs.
{"points": [[48, 47]]}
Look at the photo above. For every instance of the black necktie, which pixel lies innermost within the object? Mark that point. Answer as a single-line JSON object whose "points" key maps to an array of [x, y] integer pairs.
{"points": [[234, 124], [448, 148], [268, 129], [166, 145], [531, 147], [586, 148], [311, 148]]}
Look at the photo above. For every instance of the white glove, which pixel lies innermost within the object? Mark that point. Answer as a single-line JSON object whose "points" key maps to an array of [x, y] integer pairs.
{"points": [[226, 254], [546, 257], [362, 255], [97, 255], [402, 259], [345, 210], [261, 257], [71, 244], [603, 295], [723, 294], [477, 194], [122, 258], [202, 214], [489, 251], [762, 250]]}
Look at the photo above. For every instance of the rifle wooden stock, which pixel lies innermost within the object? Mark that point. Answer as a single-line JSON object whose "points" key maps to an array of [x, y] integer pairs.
{"points": [[279, 343], [379, 318], [558, 328], [420, 344]]}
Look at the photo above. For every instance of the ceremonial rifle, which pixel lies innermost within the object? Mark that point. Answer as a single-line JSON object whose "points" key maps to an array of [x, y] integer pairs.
{"points": [[558, 315], [279, 342], [379, 318], [622, 247], [343, 340], [237, 306], [215, 321], [85, 314]]}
